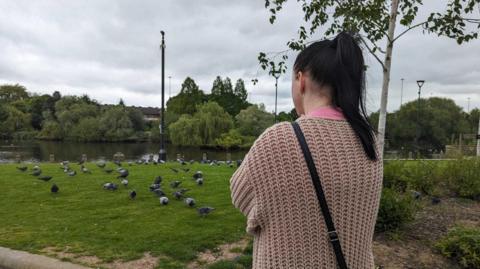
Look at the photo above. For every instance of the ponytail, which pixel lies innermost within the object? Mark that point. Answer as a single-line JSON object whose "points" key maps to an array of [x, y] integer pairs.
{"points": [[339, 63]]}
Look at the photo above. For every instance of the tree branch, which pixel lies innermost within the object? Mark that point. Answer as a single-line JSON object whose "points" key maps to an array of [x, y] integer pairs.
{"points": [[408, 29], [372, 52]]}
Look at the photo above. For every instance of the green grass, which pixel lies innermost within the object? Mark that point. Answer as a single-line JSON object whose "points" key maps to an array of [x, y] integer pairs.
{"points": [[87, 219]]}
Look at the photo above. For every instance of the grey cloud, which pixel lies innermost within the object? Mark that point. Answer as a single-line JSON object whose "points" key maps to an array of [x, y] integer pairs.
{"points": [[110, 49]]}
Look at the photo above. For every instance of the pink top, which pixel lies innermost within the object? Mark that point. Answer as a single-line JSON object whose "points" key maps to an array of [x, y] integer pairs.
{"points": [[327, 112]]}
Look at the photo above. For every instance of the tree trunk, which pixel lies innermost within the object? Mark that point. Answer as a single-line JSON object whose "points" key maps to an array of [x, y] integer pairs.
{"points": [[478, 139], [386, 76]]}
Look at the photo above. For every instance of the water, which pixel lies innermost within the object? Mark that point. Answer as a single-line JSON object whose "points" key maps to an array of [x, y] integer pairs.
{"points": [[41, 150]]}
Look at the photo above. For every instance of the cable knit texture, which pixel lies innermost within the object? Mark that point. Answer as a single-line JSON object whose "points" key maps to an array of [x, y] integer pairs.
{"points": [[273, 189]]}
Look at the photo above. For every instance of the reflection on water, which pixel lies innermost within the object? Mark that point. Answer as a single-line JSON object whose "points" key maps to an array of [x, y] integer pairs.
{"points": [[41, 150]]}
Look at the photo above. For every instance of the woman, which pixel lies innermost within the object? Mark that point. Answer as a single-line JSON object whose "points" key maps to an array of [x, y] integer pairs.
{"points": [[273, 186]]}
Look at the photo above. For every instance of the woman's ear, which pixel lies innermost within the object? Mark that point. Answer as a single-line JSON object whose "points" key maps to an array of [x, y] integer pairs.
{"points": [[301, 79]]}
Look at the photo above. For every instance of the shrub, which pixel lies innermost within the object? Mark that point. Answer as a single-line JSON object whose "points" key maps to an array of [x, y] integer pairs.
{"points": [[396, 209], [393, 176], [463, 177], [463, 245], [423, 176]]}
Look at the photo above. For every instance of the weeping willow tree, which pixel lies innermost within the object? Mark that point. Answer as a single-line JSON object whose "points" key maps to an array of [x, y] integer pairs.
{"points": [[185, 131], [213, 121]]}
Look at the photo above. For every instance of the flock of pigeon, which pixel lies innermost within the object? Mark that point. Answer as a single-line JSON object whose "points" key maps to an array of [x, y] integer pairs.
{"points": [[123, 173]]}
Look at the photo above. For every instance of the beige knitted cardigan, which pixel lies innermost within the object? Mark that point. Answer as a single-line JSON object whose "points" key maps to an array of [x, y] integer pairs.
{"points": [[273, 188]]}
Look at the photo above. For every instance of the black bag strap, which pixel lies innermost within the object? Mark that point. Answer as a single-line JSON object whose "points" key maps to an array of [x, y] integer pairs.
{"points": [[332, 233]]}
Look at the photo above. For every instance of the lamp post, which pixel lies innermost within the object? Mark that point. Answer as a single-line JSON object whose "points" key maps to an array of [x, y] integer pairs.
{"points": [[401, 94], [169, 87], [163, 153], [276, 74], [417, 137]]}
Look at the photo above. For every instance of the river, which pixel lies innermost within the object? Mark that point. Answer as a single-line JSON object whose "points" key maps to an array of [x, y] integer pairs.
{"points": [[41, 150]]}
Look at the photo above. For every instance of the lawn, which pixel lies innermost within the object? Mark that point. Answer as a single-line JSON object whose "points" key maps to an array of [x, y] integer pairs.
{"points": [[85, 218]]}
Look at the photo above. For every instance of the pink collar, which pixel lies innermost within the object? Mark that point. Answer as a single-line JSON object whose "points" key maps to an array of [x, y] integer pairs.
{"points": [[327, 112]]}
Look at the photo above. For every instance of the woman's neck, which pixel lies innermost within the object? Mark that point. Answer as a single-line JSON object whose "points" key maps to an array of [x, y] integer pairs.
{"points": [[313, 103]]}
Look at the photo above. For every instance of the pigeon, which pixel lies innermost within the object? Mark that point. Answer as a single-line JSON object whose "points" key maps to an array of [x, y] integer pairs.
{"points": [[125, 182], [64, 163], [22, 168], [158, 180], [163, 200], [190, 202], [197, 174], [161, 161], [139, 161], [182, 190], [108, 170], [178, 195], [203, 211], [110, 186], [123, 173], [133, 194], [435, 200], [175, 184], [199, 181], [66, 169], [36, 172], [192, 161], [154, 187], [72, 173], [101, 164], [159, 192], [36, 167], [118, 163], [45, 178], [82, 161], [54, 188], [416, 195], [85, 170], [239, 162]]}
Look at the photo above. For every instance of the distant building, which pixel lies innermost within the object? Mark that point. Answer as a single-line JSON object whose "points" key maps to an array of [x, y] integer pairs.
{"points": [[149, 113]]}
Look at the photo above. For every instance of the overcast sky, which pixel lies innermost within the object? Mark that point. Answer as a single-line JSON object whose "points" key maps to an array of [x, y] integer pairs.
{"points": [[110, 50]]}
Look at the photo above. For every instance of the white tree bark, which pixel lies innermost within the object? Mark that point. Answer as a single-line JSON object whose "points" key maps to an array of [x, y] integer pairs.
{"points": [[478, 139], [386, 76]]}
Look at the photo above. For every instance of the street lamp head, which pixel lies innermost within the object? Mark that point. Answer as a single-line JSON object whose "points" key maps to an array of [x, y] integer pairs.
{"points": [[420, 83], [162, 32]]}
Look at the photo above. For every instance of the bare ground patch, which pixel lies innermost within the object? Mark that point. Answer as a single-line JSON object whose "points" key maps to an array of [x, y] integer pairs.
{"points": [[146, 262], [222, 252]]}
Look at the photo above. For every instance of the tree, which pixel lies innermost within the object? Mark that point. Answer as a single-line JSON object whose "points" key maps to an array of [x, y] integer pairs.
{"points": [[10, 93], [438, 120], [13, 120], [231, 100], [70, 110], [212, 122], [115, 124], [253, 120], [186, 101], [185, 131], [375, 22], [290, 116], [229, 139], [240, 90]]}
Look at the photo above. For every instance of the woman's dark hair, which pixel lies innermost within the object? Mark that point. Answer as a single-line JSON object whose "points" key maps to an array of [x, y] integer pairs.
{"points": [[339, 64]]}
